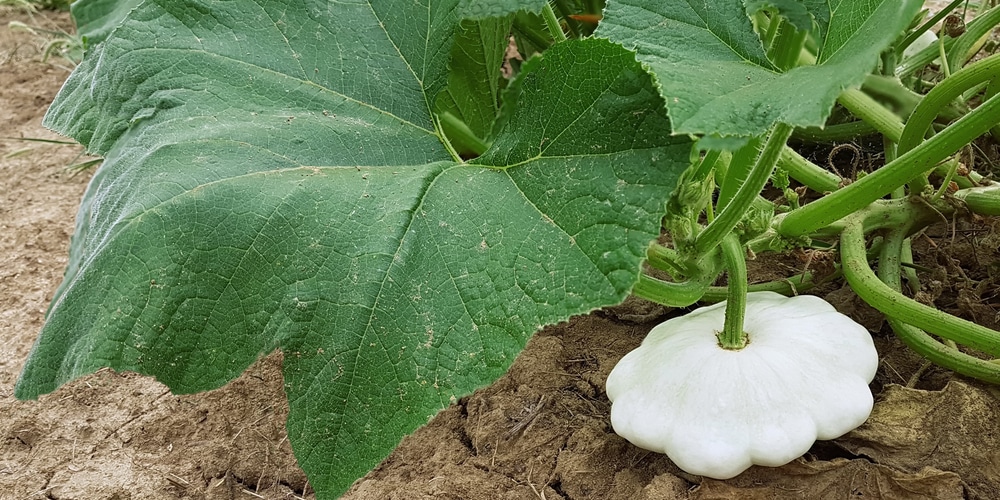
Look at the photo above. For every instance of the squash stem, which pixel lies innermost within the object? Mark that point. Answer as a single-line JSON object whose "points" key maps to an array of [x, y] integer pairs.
{"points": [[552, 23], [896, 305], [733, 337], [947, 356], [941, 96], [871, 111], [748, 191], [907, 166], [668, 293], [789, 287], [807, 172]]}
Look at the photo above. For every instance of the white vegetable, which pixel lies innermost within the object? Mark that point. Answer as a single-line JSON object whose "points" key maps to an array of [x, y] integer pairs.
{"points": [[803, 376], [926, 39]]}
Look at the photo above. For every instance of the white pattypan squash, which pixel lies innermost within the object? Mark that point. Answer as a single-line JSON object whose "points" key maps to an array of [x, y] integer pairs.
{"points": [[926, 39], [802, 376]]}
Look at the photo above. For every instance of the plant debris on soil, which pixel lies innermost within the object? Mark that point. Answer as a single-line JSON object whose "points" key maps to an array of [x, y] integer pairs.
{"points": [[540, 432]]}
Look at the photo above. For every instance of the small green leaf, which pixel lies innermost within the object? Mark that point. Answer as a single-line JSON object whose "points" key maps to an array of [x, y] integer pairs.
{"points": [[474, 79], [273, 181], [714, 74], [95, 19], [801, 13]]}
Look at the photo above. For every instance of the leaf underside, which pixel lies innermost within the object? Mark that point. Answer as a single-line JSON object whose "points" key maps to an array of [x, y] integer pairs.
{"points": [[273, 180]]}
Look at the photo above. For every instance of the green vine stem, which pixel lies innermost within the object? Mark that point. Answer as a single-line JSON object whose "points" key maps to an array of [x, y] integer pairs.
{"points": [[941, 96], [700, 272], [733, 337], [767, 27], [552, 23], [952, 164], [966, 44], [443, 137], [883, 181], [707, 165], [943, 355], [786, 46], [871, 111], [992, 89], [788, 287], [896, 305], [984, 200], [900, 98], [665, 259], [938, 99], [727, 219], [973, 31], [740, 165], [970, 179], [668, 293], [460, 135], [910, 38], [808, 173], [838, 132], [566, 11], [943, 57]]}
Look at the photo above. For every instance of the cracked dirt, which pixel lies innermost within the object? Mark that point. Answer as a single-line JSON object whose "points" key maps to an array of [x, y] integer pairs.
{"points": [[542, 431]]}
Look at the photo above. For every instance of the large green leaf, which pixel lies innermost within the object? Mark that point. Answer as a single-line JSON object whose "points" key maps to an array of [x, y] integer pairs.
{"points": [[482, 9], [273, 181], [714, 73]]}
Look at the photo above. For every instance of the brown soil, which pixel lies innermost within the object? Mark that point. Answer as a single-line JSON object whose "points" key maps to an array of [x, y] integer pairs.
{"points": [[540, 432]]}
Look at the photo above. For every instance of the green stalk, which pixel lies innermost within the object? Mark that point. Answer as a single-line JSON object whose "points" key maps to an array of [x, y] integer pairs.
{"points": [[945, 356], [906, 260], [788, 287], [807, 172], [787, 46], [670, 294], [952, 168], [906, 250], [443, 137], [937, 100], [883, 181], [896, 305], [733, 337], [707, 165], [925, 345], [973, 31], [984, 200], [665, 259], [574, 27], [461, 137], [524, 28], [909, 39], [772, 25], [871, 111], [904, 100], [747, 193], [964, 45], [552, 22], [740, 165], [941, 96], [992, 89], [700, 273], [840, 132], [943, 57]]}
